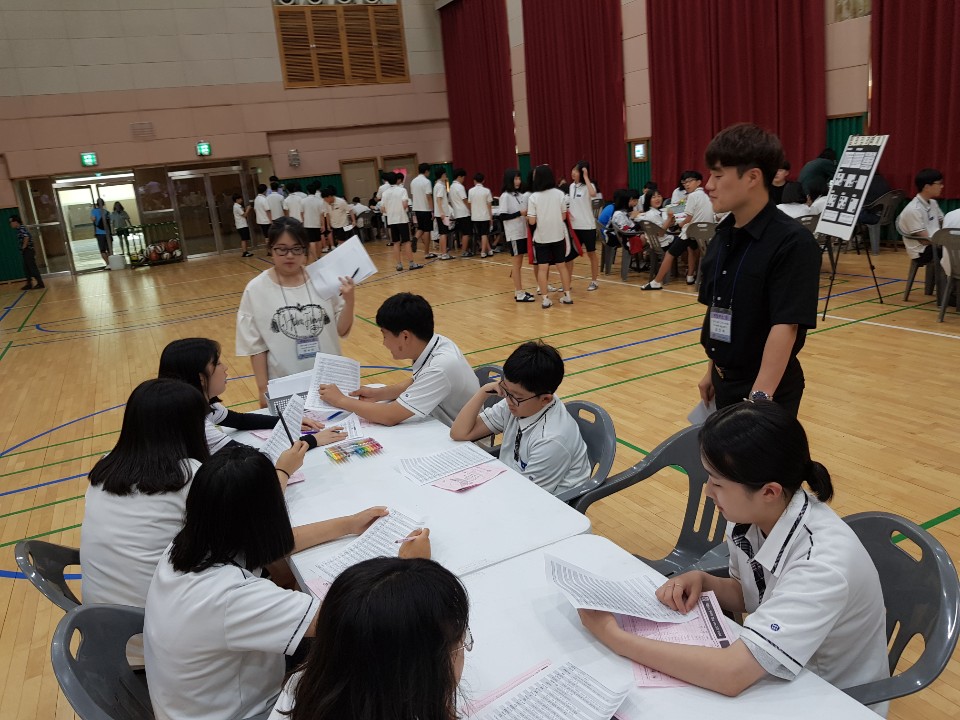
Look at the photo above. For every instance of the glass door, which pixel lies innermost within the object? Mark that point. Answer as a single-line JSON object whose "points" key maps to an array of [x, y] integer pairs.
{"points": [[222, 188], [120, 198], [196, 221], [77, 203]]}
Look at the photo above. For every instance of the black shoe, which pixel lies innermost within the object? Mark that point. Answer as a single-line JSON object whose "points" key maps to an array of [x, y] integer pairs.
{"points": [[246, 254], [28, 286], [38, 286]]}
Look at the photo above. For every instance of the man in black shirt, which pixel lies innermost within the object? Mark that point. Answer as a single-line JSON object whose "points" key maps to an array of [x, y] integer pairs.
{"points": [[760, 277], [779, 182]]}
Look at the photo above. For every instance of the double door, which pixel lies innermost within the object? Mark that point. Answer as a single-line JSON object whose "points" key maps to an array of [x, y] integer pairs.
{"points": [[204, 202]]}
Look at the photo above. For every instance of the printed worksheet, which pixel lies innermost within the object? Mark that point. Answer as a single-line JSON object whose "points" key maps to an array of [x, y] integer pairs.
{"points": [[379, 540], [279, 440], [565, 692], [634, 596], [336, 370], [350, 260], [426, 469]]}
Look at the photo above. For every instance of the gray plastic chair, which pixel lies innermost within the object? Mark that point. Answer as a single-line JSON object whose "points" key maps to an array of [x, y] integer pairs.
{"points": [[886, 207], [652, 234], [44, 563], [697, 545], [486, 374], [914, 266], [922, 597], [596, 428], [703, 233], [98, 681], [949, 240], [809, 222]]}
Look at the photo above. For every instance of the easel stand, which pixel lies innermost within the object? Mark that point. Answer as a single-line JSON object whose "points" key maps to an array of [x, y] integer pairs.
{"points": [[833, 254]]}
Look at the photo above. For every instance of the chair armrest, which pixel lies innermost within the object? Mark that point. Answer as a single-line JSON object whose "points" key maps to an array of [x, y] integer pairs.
{"points": [[620, 481]]}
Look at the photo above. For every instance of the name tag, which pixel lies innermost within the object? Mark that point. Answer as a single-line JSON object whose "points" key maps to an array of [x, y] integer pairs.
{"points": [[307, 348], [721, 324]]}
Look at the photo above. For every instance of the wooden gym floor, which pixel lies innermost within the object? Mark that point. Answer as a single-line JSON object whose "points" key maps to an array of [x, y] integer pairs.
{"points": [[881, 407]]}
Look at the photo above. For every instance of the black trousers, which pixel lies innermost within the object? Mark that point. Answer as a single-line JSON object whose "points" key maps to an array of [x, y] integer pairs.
{"points": [[731, 390], [30, 269]]}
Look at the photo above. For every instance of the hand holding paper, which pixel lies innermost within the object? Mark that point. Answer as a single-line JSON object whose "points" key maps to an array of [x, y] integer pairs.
{"points": [[280, 439], [343, 372], [349, 260]]}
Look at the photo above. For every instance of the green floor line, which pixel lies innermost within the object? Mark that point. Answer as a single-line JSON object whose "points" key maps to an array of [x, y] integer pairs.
{"points": [[366, 320], [53, 445], [633, 359], [51, 464], [37, 507], [36, 305], [39, 535], [623, 442], [2, 354]]}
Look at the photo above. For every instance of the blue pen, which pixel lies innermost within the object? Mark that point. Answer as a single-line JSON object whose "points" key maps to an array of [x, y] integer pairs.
{"points": [[335, 416]]}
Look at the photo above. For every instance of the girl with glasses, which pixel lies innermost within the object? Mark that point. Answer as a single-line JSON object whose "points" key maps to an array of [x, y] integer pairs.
{"points": [[283, 322]]}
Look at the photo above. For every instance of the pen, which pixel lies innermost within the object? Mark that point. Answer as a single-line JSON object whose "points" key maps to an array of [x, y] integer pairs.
{"points": [[286, 429], [355, 273], [406, 539], [335, 415]]}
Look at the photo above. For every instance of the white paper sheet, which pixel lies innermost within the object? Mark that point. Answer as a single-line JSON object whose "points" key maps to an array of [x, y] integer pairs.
{"points": [[471, 477], [565, 692], [634, 596], [350, 260], [329, 369], [351, 424], [289, 384], [278, 440], [429, 468], [379, 540], [701, 411]]}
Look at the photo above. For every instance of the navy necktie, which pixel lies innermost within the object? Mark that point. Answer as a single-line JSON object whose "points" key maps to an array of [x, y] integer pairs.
{"points": [[740, 540]]}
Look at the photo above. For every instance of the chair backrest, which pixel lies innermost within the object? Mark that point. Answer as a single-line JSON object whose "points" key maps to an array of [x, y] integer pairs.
{"points": [[486, 374], [651, 233], [922, 597], [702, 232], [809, 222], [98, 681], [597, 431], [949, 240], [44, 563], [365, 218], [887, 204]]}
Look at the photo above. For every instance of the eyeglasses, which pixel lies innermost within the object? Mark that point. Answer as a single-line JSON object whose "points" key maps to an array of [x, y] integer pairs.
{"points": [[513, 398], [467, 641], [282, 250]]}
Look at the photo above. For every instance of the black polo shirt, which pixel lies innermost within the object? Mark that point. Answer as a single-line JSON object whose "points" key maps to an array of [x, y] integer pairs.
{"points": [[778, 263]]}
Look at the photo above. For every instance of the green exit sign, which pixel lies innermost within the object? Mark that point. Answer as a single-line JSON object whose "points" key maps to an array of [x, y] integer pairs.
{"points": [[88, 159], [203, 149]]}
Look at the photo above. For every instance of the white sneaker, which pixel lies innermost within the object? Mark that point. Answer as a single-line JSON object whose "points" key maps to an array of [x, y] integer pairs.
{"points": [[652, 285], [566, 300], [691, 280], [445, 256], [593, 286], [551, 288], [547, 302]]}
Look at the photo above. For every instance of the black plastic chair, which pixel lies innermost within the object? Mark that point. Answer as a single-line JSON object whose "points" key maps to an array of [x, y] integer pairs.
{"points": [[597, 431], [922, 597], [44, 563], [98, 681], [486, 374], [700, 544]]}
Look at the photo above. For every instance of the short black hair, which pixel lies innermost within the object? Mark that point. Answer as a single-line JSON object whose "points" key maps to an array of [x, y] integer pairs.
{"points": [[691, 175], [793, 193], [294, 187], [543, 178], [459, 173], [650, 185], [355, 200], [439, 171], [261, 189], [292, 227], [274, 185], [274, 178], [237, 196], [15, 218], [745, 146], [621, 199], [406, 311], [423, 167], [327, 192], [817, 187], [235, 513], [478, 177], [312, 188], [398, 178], [536, 367], [828, 154], [785, 165], [927, 176]]}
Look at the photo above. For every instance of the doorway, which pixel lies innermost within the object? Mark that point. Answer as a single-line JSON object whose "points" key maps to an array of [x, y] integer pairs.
{"points": [[204, 201], [407, 164], [360, 178]]}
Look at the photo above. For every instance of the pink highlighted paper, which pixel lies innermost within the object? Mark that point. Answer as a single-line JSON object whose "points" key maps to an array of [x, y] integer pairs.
{"points": [[471, 477], [319, 587]]}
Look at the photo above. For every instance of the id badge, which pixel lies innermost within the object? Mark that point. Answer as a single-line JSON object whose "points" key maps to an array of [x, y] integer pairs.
{"points": [[721, 324], [307, 348]]}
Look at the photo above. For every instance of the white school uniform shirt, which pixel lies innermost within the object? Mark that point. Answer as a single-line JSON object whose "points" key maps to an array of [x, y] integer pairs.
{"points": [[275, 200], [287, 698], [516, 228], [440, 205], [552, 451], [238, 218], [917, 216], [698, 209], [359, 208], [950, 220], [217, 439], [293, 204], [581, 207], [338, 212], [548, 208], [215, 641], [622, 221], [822, 605], [261, 205], [271, 319], [421, 189], [480, 201], [819, 205], [443, 382], [679, 195], [458, 200], [392, 204], [313, 211], [380, 190]]}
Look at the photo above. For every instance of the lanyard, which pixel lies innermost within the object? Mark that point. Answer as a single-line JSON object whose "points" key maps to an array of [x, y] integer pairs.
{"points": [[305, 282], [736, 277]]}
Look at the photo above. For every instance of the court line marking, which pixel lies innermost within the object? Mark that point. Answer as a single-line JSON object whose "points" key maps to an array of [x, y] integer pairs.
{"points": [[898, 327], [33, 309], [11, 306]]}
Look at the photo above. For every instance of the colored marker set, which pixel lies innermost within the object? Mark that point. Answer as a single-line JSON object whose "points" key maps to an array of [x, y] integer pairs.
{"points": [[345, 451]]}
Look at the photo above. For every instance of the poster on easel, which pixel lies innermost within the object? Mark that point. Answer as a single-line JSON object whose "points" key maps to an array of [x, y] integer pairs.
{"points": [[850, 183]]}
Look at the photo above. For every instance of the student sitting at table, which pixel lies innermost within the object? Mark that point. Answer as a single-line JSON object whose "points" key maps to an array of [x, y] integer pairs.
{"points": [[391, 639], [811, 590], [216, 631], [541, 440], [442, 380], [196, 361]]}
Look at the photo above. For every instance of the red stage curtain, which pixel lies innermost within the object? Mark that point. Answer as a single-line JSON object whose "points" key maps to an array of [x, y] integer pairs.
{"points": [[574, 65], [915, 56], [718, 62], [476, 57]]}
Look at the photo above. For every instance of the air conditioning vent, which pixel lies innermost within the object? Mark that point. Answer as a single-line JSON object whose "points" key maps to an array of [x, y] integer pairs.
{"points": [[142, 131]]}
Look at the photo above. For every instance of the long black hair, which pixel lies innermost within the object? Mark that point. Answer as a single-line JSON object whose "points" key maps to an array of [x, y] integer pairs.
{"points": [[163, 425], [755, 443], [292, 227], [508, 185], [387, 634], [235, 513], [187, 360], [621, 200], [543, 178]]}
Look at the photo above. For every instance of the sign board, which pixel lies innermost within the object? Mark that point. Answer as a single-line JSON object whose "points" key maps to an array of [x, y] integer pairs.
{"points": [[88, 159], [203, 149], [850, 183]]}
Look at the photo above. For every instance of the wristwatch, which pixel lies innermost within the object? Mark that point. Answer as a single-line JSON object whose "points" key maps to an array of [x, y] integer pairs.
{"points": [[759, 395]]}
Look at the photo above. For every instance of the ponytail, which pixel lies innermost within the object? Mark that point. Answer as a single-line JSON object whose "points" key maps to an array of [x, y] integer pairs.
{"points": [[818, 478]]}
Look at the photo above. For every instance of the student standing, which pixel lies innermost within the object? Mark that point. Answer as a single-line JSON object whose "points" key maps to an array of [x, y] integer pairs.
{"points": [[261, 206], [513, 214], [282, 322], [391, 638], [582, 191], [442, 380], [481, 212], [761, 277], [313, 220], [293, 203], [240, 220], [422, 191], [811, 589], [275, 200], [339, 215], [101, 228], [441, 211], [396, 203], [120, 224], [27, 253], [461, 211], [547, 214]]}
